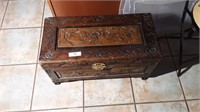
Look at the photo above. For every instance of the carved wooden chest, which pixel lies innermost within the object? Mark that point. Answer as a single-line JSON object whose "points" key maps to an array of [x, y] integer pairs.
{"points": [[98, 47]]}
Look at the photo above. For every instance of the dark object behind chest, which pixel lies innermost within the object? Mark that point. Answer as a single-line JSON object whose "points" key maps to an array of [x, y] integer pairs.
{"points": [[99, 47]]}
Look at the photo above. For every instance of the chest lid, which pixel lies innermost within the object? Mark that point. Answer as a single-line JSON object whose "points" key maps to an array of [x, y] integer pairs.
{"points": [[75, 39]]}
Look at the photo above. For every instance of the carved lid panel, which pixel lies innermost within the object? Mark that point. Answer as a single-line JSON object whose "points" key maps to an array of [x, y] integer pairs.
{"points": [[98, 36]]}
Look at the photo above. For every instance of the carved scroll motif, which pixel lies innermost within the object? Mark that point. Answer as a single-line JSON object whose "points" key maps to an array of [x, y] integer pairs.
{"points": [[99, 36]]}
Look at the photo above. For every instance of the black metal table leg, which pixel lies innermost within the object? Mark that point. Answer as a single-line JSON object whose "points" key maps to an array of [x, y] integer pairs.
{"points": [[186, 10]]}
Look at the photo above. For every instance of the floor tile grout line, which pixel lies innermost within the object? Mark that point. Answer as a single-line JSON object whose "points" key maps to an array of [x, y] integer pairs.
{"points": [[19, 111], [38, 53], [133, 94], [41, 33], [159, 102], [46, 109], [4, 15], [1, 78], [183, 94], [20, 28], [33, 88], [193, 99], [35, 74], [56, 109], [83, 95], [134, 103], [107, 105], [43, 13], [19, 64], [176, 68]]}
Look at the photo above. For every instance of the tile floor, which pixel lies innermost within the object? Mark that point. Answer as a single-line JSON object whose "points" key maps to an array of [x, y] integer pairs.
{"points": [[25, 87]]}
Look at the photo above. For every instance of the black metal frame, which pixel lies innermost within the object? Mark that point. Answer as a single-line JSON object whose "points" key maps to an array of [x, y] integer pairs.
{"points": [[190, 30]]}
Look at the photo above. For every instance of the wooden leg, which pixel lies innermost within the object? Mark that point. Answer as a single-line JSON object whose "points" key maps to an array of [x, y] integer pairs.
{"points": [[57, 83], [144, 78]]}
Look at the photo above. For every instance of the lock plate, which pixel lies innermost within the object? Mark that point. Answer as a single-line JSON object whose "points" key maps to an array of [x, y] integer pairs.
{"points": [[98, 66]]}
